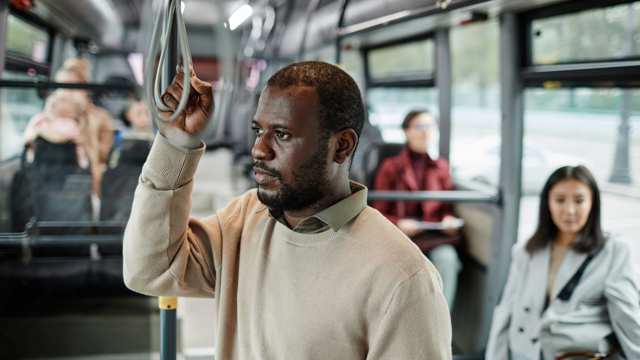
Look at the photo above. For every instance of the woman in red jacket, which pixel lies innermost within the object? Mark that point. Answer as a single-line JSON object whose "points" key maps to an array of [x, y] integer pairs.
{"points": [[414, 170]]}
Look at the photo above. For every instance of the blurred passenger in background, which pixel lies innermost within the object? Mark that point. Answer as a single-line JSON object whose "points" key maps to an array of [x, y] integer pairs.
{"points": [[59, 122], [414, 170], [97, 130], [570, 287], [137, 121]]}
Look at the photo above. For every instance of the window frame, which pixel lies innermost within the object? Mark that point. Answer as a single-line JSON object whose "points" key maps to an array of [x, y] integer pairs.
{"points": [[20, 63], [607, 72], [429, 80]]}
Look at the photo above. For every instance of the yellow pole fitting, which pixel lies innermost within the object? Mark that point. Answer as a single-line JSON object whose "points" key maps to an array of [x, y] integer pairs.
{"points": [[168, 302]]}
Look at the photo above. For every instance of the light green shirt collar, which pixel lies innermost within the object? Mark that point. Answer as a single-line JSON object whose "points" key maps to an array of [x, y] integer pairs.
{"points": [[336, 215], [346, 209]]}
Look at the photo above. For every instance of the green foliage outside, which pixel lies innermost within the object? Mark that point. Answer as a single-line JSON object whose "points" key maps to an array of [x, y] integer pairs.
{"points": [[414, 59], [24, 39], [589, 35]]}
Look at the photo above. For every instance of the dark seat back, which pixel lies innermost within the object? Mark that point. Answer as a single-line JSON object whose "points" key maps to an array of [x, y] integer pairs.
{"points": [[133, 152], [370, 136], [51, 154], [121, 178], [51, 188], [374, 158]]}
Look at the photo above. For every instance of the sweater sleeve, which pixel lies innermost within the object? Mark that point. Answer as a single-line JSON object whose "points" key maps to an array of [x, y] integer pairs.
{"points": [[165, 252], [384, 181], [622, 291], [416, 323]]}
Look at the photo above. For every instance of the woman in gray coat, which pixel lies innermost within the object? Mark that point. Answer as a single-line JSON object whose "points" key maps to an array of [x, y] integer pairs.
{"points": [[570, 289]]}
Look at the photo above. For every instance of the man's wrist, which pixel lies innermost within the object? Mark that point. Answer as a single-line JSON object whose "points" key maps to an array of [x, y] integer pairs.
{"points": [[181, 139]]}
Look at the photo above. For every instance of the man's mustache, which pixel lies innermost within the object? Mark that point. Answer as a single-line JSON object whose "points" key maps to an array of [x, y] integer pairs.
{"points": [[264, 168]]}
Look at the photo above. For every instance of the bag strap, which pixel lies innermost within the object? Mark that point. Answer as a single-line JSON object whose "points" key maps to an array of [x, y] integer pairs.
{"points": [[568, 289], [23, 156]]}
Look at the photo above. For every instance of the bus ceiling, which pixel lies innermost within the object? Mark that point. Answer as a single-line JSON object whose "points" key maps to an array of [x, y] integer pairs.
{"points": [[97, 20], [108, 23], [361, 19]]}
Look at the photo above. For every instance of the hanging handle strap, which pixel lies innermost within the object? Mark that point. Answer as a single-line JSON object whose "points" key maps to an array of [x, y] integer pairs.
{"points": [[160, 38]]}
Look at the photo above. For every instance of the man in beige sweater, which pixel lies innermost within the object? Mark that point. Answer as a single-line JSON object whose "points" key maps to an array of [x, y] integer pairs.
{"points": [[300, 268]]}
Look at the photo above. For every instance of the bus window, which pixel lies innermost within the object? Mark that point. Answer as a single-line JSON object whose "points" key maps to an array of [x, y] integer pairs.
{"points": [[405, 61], [592, 127], [389, 105], [18, 106], [598, 34], [475, 124], [351, 62], [400, 79], [26, 40], [325, 53]]}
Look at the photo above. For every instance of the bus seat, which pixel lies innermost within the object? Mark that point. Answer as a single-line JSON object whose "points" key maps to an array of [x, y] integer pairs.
{"points": [[472, 294], [478, 227], [130, 152], [374, 157], [370, 136], [51, 188], [121, 178], [48, 154]]}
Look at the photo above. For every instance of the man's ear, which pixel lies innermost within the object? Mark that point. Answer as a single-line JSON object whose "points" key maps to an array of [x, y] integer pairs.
{"points": [[346, 141]]}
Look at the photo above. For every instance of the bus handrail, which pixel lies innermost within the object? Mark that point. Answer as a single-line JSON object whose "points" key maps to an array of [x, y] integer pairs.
{"points": [[451, 196], [44, 84]]}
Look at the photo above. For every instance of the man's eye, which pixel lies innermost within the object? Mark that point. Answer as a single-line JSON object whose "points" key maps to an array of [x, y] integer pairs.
{"points": [[256, 130], [282, 135]]}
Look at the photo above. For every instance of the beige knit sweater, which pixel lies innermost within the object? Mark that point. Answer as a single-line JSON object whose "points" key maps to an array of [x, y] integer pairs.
{"points": [[361, 292]]}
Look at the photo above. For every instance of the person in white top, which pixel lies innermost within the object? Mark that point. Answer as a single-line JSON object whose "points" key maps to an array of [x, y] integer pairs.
{"points": [[571, 289]]}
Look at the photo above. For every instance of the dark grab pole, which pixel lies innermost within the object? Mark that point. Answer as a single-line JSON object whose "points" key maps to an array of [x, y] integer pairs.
{"points": [[168, 324]]}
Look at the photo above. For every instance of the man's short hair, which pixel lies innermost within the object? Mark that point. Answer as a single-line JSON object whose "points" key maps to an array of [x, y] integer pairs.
{"points": [[341, 104]]}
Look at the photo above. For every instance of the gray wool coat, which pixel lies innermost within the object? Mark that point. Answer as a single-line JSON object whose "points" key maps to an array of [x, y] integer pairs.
{"points": [[606, 300]]}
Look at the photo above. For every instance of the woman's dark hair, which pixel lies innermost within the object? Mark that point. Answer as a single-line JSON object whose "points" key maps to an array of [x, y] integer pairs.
{"points": [[411, 115], [123, 116], [590, 238], [133, 98]]}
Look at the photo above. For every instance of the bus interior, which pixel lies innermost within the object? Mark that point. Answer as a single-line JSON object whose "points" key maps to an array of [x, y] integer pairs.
{"points": [[519, 88]]}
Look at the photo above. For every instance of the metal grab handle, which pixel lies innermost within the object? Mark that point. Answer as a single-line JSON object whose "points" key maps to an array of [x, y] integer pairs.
{"points": [[168, 306], [152, 82]]}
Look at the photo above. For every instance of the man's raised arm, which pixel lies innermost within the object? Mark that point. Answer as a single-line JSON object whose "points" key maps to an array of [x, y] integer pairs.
{"points": [[165, 252]]}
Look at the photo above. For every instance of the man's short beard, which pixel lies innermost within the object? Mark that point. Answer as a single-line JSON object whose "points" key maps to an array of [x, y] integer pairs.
{"points": [[308, 183]]}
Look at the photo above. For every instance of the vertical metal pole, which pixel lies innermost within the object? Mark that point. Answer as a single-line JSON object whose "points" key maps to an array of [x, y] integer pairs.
{"points": [[57, 54], [343, 10], [364, 57], [621, 172], [444, 86], [4, 15], [506, 225], [311, 8], [168, 324]]}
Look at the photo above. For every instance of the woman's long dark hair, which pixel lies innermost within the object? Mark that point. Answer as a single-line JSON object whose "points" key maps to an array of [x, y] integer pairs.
{"points": [[590, 238]]}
